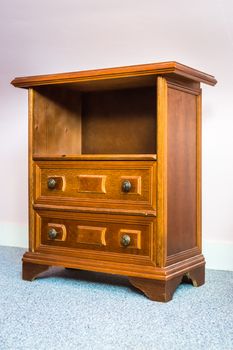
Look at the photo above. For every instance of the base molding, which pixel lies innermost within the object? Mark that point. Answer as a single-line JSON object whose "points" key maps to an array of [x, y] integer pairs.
{"points": [[157, 283], [127, 269]]}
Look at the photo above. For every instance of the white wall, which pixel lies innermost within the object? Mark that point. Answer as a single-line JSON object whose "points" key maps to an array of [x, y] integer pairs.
{"points": [[50, 36]]}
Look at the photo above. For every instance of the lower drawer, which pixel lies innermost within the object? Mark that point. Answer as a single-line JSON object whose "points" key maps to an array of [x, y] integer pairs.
{"points": [[94, 233]]}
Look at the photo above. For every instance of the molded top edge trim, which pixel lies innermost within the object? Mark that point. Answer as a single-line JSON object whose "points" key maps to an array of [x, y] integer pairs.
{"points": [[117, 72]]}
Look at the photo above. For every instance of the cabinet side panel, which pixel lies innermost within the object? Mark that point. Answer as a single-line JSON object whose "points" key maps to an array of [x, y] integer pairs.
{"points": [[181, 171]]}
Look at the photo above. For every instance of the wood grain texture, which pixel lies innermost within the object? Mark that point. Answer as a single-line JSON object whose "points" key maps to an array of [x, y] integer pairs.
{"points": [[69, 123], [136, 184], [93, 130], [135, 237], [31, 170], [156, 290], [97, 184], [163, 290], [96, 210], [61, 232], [109, 157], [91, 183], [30, 270], [199, 173], [161, 204], [60, 183], [112, 122], [98, 232], [195, 276], [91, 235], [57, 121], [152, 69], [114, 263], [181, 170]]}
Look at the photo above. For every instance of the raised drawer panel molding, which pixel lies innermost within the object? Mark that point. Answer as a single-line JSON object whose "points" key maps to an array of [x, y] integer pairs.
{"points": [[56, 183], [115, 174], [91, 235], [134, 236], [135, 184], [56, 232], [91, 183]]}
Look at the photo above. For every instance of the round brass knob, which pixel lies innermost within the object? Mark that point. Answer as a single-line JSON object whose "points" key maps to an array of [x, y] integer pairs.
{"points": [[125, 240], [52, 233], [126, 186], [51, 183]]}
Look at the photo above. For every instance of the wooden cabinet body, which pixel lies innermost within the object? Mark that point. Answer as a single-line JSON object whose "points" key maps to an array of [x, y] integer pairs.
{"points": [[115, 174]]}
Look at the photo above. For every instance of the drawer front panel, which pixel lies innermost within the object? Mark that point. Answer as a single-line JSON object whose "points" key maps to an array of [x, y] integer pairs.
{"points": [[117, 184], [91, 232]]}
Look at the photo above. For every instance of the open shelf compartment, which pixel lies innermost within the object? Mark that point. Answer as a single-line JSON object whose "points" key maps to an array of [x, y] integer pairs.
{"points": [[69, 122]]}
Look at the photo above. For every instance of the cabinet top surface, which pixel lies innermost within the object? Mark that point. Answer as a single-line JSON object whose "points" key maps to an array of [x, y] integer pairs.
{"points": [[145, 72]]}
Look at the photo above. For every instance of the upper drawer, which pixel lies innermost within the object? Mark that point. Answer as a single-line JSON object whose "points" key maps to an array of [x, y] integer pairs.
{"points": [[100, 184]]}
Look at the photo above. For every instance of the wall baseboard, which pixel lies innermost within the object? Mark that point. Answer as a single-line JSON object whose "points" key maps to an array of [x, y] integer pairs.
{"points": [[13, 235], [218, 254]]}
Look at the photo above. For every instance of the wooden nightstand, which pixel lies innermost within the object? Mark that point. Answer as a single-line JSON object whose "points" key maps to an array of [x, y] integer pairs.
{"points": [[115, 174]]}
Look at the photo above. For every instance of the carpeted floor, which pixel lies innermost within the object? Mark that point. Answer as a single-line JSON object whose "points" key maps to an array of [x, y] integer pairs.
{"points": [[84, 310]]}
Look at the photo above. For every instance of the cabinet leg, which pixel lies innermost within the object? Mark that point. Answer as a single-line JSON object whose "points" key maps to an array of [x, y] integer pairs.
{"points": [[31, 271], [196, 276], [163, 290], [156, 290]]}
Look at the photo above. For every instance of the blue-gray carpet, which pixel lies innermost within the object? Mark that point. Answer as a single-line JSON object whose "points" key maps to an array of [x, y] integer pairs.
{"points": [[84, 310]]}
